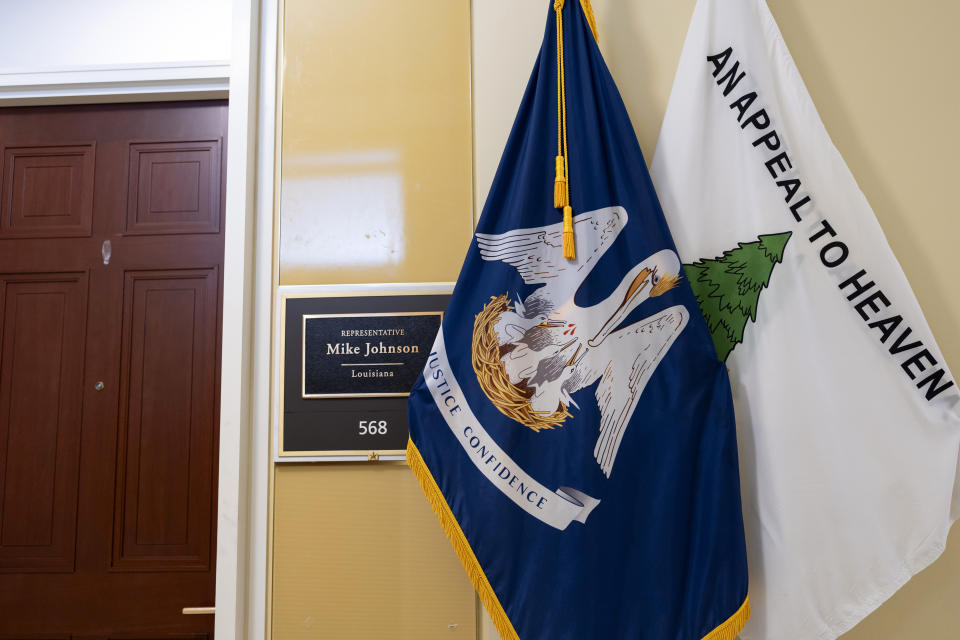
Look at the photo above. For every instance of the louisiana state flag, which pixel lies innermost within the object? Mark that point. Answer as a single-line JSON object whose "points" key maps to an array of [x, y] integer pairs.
{"points": [[573, 427]]}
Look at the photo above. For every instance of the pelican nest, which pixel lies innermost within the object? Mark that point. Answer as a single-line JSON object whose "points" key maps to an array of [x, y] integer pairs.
{"points": [[513, 400]]}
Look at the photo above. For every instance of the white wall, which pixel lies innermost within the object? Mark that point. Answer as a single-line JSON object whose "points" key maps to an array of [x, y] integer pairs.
{"points": [[39, 35]]}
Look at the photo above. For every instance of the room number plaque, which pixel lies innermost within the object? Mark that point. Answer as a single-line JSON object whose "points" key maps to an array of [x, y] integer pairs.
{"points": [[347, 358]]}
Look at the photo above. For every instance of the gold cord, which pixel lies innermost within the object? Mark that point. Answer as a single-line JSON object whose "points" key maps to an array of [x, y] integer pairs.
{"points": [[561, 183]]}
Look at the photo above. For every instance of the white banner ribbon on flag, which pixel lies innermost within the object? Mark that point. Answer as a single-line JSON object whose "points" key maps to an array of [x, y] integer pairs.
{"points": [[555, 508]]}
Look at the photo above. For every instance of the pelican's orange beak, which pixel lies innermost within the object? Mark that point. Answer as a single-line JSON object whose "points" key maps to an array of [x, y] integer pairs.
{"points": [[639, 284]]}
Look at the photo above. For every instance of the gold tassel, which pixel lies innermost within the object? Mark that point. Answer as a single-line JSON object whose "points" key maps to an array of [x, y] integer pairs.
{"points": [[560, 197], [569, 248]]}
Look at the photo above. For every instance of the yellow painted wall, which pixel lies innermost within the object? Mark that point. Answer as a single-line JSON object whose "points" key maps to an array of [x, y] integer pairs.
{"points": [[883, 75], [376, 186], [376, 141], [359, 554]]}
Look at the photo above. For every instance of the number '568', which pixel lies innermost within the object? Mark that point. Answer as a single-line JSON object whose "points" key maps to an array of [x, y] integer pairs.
{"points": [[373, 427]]}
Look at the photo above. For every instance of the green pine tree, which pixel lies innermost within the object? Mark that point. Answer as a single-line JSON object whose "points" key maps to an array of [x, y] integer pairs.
{"points": [[728, 288]]}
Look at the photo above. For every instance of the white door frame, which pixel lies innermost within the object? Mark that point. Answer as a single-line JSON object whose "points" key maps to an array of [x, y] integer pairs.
{"points": [[242, 529], [248, 79]]}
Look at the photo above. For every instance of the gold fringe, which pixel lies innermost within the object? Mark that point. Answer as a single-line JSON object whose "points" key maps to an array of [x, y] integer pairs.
{"points": [[560, 196], [591, 19], [470, 563], [734, 624], [569, 247], [726, 631]]}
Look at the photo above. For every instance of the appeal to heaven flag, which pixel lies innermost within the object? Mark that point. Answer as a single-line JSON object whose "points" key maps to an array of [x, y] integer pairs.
{"points": [[847, 414], [573, 428]]}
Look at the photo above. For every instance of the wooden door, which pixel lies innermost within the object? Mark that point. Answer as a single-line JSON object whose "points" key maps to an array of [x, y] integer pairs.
{"points": [[111, 259]]}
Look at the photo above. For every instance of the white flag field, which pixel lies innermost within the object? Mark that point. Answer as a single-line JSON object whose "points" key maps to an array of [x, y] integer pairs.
{"points": [[847, 415]]}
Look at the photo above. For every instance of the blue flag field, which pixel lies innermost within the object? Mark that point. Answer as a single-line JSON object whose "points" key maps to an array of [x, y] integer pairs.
{"points": [[573, 428]]}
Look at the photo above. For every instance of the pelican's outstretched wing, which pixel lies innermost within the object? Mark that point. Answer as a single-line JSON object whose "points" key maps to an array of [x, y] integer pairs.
{"points": [[627, 359], [537, 253]]}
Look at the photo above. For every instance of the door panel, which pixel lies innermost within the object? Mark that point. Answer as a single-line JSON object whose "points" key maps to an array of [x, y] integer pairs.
{"points": [[174, 187], [109, 368], [41, 351], [166, 426], [48, 191]]}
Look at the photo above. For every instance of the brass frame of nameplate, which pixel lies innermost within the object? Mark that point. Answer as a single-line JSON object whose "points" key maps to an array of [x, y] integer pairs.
{"points": [[287, 292]]}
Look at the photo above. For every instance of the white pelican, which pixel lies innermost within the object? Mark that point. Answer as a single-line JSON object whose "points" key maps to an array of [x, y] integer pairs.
{"points": [[551, 348]]}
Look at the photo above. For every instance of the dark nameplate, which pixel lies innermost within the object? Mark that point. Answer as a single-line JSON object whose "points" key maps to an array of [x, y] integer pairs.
{"points": [[329, 409], [357, 355]]}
